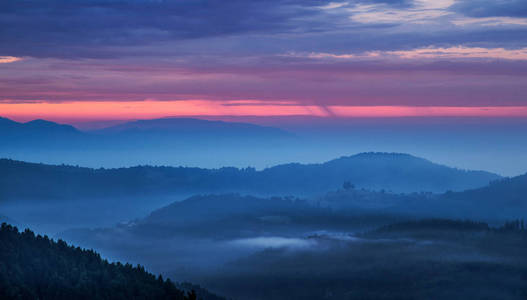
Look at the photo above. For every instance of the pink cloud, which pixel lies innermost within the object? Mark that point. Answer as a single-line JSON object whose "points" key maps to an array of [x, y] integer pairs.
{"points": [[121, 110], [9, 59]]}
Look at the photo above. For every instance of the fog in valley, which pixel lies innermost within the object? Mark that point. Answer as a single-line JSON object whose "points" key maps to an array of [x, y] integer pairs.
{"points": [[371, 225]]}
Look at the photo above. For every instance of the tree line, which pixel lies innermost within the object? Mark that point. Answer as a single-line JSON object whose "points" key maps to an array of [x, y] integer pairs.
{"points": [[37, 267]]}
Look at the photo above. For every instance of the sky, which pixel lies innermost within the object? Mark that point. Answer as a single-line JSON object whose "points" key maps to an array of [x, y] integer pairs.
{"points": [[89, 60]]}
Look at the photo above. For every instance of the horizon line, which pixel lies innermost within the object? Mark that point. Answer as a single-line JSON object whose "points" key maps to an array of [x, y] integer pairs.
{"points": [[93, 111]]}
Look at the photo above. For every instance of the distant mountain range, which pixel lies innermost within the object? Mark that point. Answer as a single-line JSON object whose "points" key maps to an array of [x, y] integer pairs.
{"points": [[190, 126], [167, 141], [42, 131], [377, 171]]}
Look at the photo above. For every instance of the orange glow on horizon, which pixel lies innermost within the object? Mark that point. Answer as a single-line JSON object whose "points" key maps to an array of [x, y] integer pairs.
{"points": [[99, 110]]}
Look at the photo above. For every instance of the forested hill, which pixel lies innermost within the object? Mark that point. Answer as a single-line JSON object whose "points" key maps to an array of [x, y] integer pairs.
{"points": [[397, 172], [502, 199], [35, 267], [507, 191], [389, 171]]}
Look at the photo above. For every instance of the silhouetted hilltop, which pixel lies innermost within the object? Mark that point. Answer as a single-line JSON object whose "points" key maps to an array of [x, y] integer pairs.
{"points": [[184, 126], [7, 123], [35, 267], [34, 131], [390, 171]]}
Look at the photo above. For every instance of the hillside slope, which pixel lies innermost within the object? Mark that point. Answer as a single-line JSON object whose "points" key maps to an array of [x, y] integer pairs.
{"points": [[35, 267], [501, 199]]}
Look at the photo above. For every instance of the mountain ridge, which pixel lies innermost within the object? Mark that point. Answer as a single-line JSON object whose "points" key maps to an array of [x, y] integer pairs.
{"points": [[384, 173], [177, 124], [35, 129]]}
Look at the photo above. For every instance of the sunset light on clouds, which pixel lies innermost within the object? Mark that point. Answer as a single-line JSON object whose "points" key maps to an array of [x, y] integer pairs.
{"points": [[122, 110], [8, 59], [361, 59]]}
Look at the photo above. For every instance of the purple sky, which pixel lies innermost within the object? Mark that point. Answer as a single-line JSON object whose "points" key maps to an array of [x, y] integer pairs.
{"points": [[274, 57]]}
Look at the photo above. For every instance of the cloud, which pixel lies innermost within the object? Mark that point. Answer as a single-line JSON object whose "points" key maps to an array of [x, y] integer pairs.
{"points": [[277, 80], [169, 29], [491, 8], [462, 52], [422, 11], [490, 12], [457, 52], [428, 111], [333, 5], [94, 110], [361, 52], [490, 21], [478, 14], [9, 59], [91, 27]]}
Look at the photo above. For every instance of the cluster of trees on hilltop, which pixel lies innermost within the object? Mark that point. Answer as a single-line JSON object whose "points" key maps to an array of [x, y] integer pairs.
{"points": [[36, 267]]}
